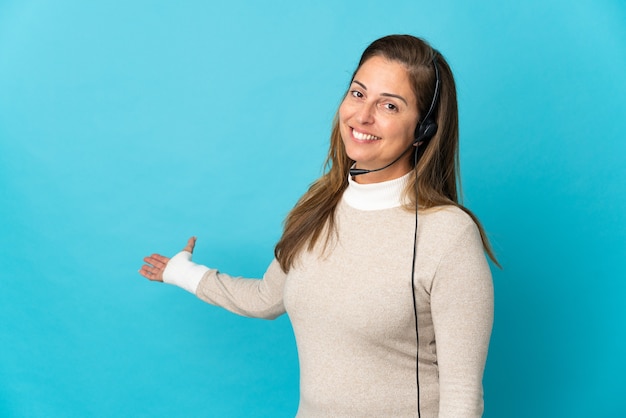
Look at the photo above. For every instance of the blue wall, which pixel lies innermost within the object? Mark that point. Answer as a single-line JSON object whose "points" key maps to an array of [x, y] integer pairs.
{"points": [[126, 127]]}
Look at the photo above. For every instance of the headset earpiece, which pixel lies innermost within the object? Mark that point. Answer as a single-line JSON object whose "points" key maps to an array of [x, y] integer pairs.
{"points": [[427, 128], [425, 131]]}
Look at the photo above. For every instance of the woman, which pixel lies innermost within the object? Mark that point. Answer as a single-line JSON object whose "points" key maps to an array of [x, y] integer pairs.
{"points": [[392, 317]]}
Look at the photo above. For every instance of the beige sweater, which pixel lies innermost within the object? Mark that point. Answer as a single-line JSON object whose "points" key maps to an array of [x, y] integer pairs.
{"points": [[352, 312]]}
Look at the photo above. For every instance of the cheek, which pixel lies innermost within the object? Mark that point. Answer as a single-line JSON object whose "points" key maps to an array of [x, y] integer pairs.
{"points": [[408, 129], [344, 115], [411, 131], [343, 112], [401, 131]]}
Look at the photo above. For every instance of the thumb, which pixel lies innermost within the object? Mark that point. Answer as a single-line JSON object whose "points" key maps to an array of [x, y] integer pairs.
{"points": [[190, 245]]}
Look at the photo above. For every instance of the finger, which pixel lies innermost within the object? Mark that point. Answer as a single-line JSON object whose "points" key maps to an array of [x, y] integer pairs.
{"points": [[190, 245], [151, 273], [143, 272], [156, 260], [146, 272], [150, 268], [160, 258]]}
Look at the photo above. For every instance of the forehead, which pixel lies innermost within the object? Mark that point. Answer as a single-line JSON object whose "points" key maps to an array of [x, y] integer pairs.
{"points": [[381, 75]]}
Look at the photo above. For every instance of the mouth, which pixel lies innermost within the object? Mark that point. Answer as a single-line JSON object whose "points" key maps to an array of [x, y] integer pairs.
{"points": [[362, 136]]}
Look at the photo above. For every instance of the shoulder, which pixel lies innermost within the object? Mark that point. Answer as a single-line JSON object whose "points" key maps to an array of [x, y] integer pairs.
{"points": [[444, 218], [444, 228]]}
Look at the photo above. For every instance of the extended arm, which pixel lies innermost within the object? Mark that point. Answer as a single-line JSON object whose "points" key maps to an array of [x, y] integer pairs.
{"points": [[259, 298]]}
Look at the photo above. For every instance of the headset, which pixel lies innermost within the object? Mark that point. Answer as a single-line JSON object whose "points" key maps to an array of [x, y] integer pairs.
{"points": [[425, 130]]}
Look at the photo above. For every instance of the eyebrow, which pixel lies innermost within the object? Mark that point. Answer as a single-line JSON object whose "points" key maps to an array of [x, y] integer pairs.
{"points": [[383, 94]]}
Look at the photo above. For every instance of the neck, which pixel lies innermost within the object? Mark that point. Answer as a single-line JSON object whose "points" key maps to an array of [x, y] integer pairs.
{"points": [[376, 196]]}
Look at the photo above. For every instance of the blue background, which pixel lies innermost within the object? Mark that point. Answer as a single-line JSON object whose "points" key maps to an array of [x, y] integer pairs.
{"points": [[128, 126]]}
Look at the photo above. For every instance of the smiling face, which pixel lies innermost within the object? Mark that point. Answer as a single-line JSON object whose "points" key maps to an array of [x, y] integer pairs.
{"points": [[377, 119]]}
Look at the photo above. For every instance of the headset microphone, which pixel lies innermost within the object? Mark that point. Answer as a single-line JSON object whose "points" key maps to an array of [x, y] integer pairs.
{"points": [[358, 171]]}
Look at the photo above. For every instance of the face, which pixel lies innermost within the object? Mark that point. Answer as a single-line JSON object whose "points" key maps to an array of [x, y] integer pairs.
{"points": [[377, 119]]}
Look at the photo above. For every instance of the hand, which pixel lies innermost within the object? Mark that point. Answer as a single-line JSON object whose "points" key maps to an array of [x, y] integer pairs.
{"points": [[156, 263]]}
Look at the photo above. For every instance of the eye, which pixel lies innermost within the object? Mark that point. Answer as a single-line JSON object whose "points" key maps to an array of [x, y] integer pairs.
{"points": [[357, 94], [390, 107]]}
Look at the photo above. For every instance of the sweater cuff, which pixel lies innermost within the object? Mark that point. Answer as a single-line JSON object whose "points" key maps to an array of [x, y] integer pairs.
{"points": [[184, 273]]}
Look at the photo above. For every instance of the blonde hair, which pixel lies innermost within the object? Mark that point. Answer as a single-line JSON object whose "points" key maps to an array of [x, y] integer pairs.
{"points": [[437, 171]]}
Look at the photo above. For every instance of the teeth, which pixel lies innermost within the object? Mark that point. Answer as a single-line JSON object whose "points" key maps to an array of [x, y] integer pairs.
{"points": [[364, 137]]}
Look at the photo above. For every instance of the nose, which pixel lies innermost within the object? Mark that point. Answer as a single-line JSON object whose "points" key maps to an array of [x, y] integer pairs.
{"points": [[365, 113]]}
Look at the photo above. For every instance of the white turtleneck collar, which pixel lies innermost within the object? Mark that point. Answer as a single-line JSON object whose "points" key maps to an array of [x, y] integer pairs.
{"points": [[376, 196]]}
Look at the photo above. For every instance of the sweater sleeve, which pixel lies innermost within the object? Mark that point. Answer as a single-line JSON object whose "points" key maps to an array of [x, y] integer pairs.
{"points": [[462, 311], [257, 298]]}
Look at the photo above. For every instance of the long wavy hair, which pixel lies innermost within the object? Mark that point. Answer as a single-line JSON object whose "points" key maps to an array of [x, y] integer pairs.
{"points": [[436, 173]]}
